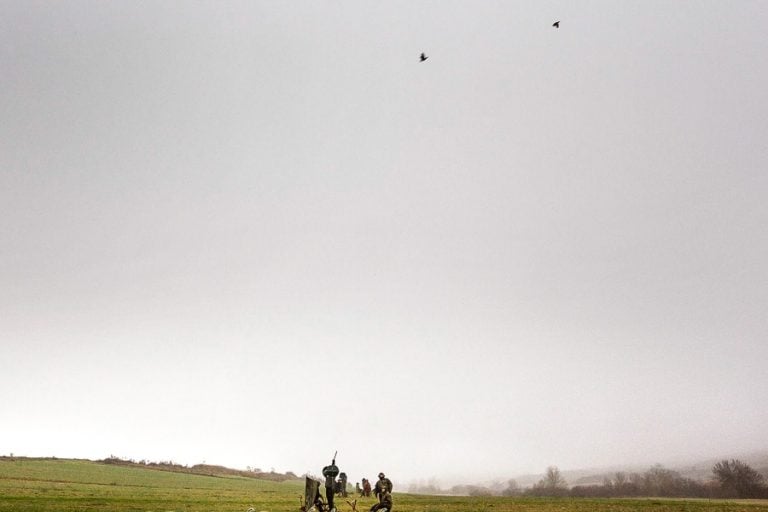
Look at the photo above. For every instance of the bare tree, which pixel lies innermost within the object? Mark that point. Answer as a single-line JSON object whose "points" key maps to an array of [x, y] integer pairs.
{"points": [[553, 484], [737, 479], [659, 481]]}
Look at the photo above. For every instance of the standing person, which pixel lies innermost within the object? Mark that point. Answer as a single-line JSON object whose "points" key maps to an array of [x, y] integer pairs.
{"points": [[342, 484], [366, 488], [383, 485], [330, 473]]}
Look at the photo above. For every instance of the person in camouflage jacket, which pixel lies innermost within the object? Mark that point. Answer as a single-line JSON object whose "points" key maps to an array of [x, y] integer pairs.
{"points": [[383, 485]]}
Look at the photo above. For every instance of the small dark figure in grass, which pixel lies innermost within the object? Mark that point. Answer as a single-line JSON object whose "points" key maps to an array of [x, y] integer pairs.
{"points": [[366, 488], [341, 485]]}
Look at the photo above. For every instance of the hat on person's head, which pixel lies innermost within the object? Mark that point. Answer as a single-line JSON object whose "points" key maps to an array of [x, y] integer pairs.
{"points": [[381, 475]]}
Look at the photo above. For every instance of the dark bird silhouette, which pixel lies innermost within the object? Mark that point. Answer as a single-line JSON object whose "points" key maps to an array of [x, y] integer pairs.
{"points": [[556, 24], [423, 58]]}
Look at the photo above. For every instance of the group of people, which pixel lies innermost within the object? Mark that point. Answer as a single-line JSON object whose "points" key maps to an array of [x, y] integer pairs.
{"points": [[382, 489]]}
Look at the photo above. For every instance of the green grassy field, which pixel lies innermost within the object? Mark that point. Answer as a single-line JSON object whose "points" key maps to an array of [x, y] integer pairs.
{"points": [[77, 485]]}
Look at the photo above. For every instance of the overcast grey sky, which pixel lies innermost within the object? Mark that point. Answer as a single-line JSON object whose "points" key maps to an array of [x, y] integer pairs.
{"points": [[253, 233]]}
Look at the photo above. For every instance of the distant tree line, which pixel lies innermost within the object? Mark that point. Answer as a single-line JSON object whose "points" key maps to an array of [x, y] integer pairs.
{"points": [[657, 481], [203, 469], [730, 479]]}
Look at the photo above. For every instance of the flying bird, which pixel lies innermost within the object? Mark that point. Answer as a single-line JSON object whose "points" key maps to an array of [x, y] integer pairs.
{"points": [[423, 58], [556, 24]]}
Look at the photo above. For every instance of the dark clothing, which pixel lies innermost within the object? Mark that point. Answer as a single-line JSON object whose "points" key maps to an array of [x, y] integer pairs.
{"points": [[330, 473], [366, 488], [382, 486], [385, 503], [341, 485]]}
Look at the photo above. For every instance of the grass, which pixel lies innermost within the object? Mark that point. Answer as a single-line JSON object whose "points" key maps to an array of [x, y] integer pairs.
{"points": [[69, 485], [78, 485]]}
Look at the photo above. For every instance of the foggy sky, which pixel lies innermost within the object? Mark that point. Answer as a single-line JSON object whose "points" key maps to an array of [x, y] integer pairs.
{"points": [[254, 233]]}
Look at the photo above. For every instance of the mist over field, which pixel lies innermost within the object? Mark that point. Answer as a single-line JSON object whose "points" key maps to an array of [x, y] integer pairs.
{"points": [[700, 470], [253, 234]]}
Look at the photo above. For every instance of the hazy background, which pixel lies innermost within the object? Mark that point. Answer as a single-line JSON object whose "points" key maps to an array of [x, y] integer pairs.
{"points": [[253, 233]]}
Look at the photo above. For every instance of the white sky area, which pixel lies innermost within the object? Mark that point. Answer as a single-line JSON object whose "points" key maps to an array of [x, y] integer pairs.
{"points": [[254, 233]]}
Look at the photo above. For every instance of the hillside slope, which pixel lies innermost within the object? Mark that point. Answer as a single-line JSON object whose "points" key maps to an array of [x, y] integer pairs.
{"points": [[63, 484]]}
